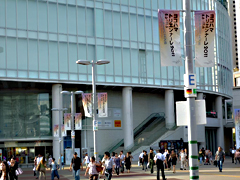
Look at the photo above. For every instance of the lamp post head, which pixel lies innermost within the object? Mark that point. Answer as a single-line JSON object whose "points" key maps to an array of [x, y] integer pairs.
{"points": [[83, 62], [78, 92], [102, 61], [65, 92]]}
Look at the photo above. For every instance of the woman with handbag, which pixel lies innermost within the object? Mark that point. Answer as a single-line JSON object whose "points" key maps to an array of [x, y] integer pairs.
{"points": [[92, 169], [4, 168], [42, 168], [12, 169]]}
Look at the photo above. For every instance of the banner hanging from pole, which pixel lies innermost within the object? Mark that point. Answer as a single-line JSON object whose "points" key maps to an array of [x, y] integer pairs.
{"points": [[78, 121], [67, 121], [102, 105], [56, 131], [204, 38], [87, 104], [169, 37], [64, 132]]}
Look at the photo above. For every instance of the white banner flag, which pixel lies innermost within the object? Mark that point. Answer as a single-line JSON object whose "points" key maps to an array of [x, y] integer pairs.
{"points": [[78, 121], [102, 105], [169, 37], [87, 104], [204, 38], [64, 132], [67, 121], [56, 131]]}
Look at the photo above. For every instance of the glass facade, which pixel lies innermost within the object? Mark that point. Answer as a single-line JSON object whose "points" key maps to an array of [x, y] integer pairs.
{"points": [[42, 39]]}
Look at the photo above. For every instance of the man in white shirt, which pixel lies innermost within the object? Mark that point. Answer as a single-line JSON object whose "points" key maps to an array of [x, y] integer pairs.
{"points": [[183, 156], [109, 165], [122, 159], [141, 159], [159, 160], [86, 160], [233, 154], [38, 161]]}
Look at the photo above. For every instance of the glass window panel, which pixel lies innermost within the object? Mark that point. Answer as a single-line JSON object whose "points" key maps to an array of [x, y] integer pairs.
{"points": [[149, 64], [3, 53], [11, 14], [194, 4], [141, 29], [147, 4], [132, 2], [148, 29], [22, 54], [167, 4], [124, 2], [43, 55], [170, 72], [140, 3], [100, 55], [155, 4], [62, 18], [22, 14], [99, 23], [126, 62], [90, 22], [53, 56], [52, 17], [179, 4], [116, 25], [91, 55], [174, 4], [63, 57], [11, 53], [156, 64], [125, 26], [32, 15], [161, 4], [164, 72], [2, 13], [42, 16], [32, 54], [133, 27], [176, 73], [73, 57], [155, 31], [81, 21], [109, 57], [82, 54], [198, 5], [108, 24], [72, 20], [134, 62], [109, 1], [117, 61]]}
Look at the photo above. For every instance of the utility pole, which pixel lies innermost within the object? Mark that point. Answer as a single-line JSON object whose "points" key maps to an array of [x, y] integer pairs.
{"points": [[192, 124]]}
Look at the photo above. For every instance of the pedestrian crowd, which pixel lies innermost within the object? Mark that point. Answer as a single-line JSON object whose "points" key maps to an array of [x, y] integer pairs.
{"points": [[9, 170]]}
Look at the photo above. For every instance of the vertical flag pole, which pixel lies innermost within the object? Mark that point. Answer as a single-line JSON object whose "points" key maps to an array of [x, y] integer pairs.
{"points": [[192, 124]]}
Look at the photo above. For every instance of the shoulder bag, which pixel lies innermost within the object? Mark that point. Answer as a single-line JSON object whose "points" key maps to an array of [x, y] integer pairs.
{"points": [[18, 171]]}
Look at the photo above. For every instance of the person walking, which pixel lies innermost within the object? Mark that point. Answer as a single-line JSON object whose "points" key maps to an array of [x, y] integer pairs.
{"points": [[187, 160], [237, 156], [145, 160], [50, 161], [108, 165], [220, 157], [39, 158], [128, 162], [200, 156], [93, 174], [86, 160], [62, 161], [5, 169], [54, 169], [173, 158], [183, 160], [122, 159], [12, 169], [159, 160], [117, 163], [233, 154], [141, 158], [42, 168], [151, 156], [75, 166]]}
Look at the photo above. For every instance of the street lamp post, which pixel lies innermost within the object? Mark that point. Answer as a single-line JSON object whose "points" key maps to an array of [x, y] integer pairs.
{"points": [[99, 62], [59, 130], [72, 113]]}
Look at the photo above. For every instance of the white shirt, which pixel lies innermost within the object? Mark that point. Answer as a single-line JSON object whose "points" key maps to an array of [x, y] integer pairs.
{"points": [[109, 163], [159, 156], [122, 157], [38, 160], [141, 155], [86, 160], [92, 168], [165, 154], [183, 156], [9, 163], [233, 151]]}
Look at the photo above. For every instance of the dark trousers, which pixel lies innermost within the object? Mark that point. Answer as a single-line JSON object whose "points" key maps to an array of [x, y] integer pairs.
{"points": [[13, 176], [151, 164], [108, 174], [160, 166], [117, 170], [93, 177], [122, 168]]}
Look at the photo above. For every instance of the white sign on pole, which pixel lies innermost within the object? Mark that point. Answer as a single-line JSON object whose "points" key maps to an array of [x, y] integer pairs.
{"points": [[182, 112]]}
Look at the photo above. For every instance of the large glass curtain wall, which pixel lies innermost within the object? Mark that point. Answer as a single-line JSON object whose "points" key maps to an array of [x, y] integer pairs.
{"points": [[43, 40], [25, 115]]}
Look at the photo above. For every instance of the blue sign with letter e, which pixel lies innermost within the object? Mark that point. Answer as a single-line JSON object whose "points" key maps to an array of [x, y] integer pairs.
{"points": [[190, 81]]}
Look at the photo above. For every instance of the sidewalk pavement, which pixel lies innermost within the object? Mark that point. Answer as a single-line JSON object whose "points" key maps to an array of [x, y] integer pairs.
{"points": [[206, 172]]}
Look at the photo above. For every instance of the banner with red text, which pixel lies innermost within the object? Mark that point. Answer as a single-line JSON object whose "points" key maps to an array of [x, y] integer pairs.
{"points": [[204, 38], [87, 104], [102, 105], [78, 121], [67, 121], [169, 37]]}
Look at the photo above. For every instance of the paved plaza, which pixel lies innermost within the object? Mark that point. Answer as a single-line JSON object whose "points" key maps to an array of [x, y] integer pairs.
{"points": [[230, 171]]}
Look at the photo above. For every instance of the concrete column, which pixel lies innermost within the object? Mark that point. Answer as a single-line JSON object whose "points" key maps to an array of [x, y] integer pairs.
{"points": [[201, 128], [127, 117], [56, 115], [220, 130], [169, 109]]}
